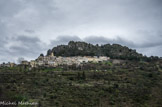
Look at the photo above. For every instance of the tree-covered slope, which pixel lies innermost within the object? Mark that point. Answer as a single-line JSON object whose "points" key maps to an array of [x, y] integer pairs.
{"points": [[87, 49], [129, 84]]}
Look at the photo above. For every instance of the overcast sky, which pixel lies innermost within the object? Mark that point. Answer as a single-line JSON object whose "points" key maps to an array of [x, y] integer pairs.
{"points": [[31, 27]]}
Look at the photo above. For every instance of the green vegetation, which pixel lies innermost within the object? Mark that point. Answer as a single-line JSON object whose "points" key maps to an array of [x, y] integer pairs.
{"points": [[128, 84], [114, 51]]}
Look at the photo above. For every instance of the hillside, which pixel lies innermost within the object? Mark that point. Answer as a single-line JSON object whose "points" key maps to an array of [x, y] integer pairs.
{"points": [[86, 49], [129, 84]]}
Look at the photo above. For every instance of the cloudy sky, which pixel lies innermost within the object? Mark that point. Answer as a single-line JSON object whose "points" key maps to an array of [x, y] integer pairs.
{"points": [[31, 27]]}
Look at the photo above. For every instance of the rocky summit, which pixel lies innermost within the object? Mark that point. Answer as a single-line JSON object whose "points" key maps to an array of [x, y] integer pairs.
{"points": [[114, 51]]}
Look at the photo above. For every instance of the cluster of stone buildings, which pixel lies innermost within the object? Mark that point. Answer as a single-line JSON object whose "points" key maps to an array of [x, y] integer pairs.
{"points": [[9, 64], [53, 61]]}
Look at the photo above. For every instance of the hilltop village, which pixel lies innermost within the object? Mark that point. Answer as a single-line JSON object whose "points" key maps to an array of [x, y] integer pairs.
{"points": [[54, 61]]}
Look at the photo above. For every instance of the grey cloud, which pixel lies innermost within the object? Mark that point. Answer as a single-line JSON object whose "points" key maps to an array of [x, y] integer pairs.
{"points": [[12, 7], [3, 38], [150, 38], [9, 8], [149, 45], [64, 39], [19, 15], [27, 39], [29, 31], [104, 40], [45, 8], [22, 46], [151, 51], [4, 53], [2, 42], [97, 40], [28, 47]]}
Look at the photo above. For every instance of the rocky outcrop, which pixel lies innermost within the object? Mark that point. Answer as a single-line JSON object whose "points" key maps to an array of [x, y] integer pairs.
{"points": [[114, 51]]}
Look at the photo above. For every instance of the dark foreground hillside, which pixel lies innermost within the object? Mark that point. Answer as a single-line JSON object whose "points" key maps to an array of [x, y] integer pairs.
{"points": [[129, 84]]}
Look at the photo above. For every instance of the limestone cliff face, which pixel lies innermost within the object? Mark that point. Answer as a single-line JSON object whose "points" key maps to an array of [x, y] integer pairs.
{"points": [[87, 49]]}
